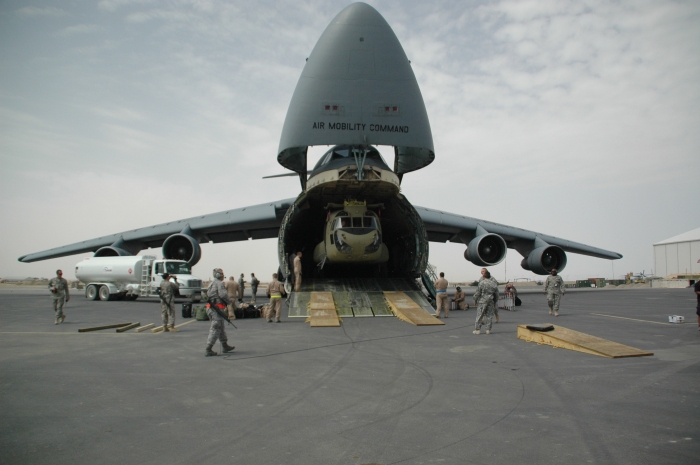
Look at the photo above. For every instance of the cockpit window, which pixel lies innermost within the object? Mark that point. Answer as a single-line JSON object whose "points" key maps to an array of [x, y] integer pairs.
{"points": [[356, 222]]}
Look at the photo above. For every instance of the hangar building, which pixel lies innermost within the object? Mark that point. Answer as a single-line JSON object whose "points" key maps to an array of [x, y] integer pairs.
{"points": [[678, 255]]}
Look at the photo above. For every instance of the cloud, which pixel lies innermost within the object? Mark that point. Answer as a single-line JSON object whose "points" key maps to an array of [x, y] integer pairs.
{"points": [[36, 11], [81, 29]]}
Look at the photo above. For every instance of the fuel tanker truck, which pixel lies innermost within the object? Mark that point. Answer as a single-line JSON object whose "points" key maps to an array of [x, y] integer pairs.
{"points": [[114, 278]]}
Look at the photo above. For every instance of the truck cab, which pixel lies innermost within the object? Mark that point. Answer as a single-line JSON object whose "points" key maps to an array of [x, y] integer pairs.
{"points": [[189, 285]]}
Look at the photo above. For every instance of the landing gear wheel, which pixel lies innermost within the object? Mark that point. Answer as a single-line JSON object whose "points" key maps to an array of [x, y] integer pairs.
{"points": [[104, 293], [91, 292]]}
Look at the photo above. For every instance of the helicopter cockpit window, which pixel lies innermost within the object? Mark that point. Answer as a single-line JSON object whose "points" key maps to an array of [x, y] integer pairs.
{"points": [[356, 222]]}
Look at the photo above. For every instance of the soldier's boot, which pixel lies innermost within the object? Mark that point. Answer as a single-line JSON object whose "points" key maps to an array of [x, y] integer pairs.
{"points": [[58, 320], [488, 331], [496, 320], [477, 331], [63, 318], [556, 313], [173, 329], [209, 352], [278, 320], [550, 310], [226, 348]]}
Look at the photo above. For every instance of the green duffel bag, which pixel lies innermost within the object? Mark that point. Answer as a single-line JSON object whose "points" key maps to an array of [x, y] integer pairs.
{"points": [[200, 313]]}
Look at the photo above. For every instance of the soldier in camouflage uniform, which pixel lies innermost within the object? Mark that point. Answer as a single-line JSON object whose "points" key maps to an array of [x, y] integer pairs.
{"points": [[241, 287], [216, 292], [485, 272], [485, 297], [167, 303], [60, 294], [554, 288]]}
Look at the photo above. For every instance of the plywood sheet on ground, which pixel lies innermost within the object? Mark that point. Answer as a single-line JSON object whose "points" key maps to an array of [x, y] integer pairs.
{"points": [[573, 340], [407, 310], [322, 310]]}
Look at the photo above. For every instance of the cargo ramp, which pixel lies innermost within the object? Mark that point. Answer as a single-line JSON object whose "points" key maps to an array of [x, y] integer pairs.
{"points": [[565, 338], [360, 297]]}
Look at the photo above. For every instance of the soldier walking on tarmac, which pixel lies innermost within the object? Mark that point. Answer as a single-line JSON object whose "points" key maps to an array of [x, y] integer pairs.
{"points": [[275, 291], [297, 272], [441, 296], [167, 303], [486, 297], [254, 282], [216, 292], [554, 288], [60, 294]]}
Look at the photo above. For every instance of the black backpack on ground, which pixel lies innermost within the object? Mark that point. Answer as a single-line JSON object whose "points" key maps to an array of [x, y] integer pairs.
{"points": [[187, 310], [252, 312]]}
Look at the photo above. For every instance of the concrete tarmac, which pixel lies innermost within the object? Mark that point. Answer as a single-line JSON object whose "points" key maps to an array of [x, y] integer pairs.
{"points": [[374, 391]]}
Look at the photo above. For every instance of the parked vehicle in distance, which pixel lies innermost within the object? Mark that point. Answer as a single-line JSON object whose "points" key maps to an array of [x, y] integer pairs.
{"points": [[115, 278]]}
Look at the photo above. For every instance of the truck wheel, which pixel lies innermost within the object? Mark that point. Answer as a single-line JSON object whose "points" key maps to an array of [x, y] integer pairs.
{"points": [[91, 292], [104, 293], [133, 296]]}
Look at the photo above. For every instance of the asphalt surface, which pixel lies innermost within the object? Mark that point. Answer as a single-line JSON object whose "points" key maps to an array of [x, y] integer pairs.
{"points": [[374, 391]]}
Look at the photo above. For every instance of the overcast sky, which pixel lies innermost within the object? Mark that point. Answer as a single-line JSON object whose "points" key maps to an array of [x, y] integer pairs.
{"points": [[578, 119]]}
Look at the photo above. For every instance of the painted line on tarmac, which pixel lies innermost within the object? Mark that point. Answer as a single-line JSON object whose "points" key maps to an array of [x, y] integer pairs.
{"points": [[50, 333], [635, 319]]}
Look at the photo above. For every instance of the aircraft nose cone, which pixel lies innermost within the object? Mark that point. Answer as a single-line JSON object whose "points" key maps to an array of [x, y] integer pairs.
{"points": [[357, 88]]}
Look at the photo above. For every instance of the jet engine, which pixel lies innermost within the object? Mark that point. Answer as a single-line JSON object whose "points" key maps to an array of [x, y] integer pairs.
{"points": [[182, 247], [543, 259], [111, 251], [486, 250]]}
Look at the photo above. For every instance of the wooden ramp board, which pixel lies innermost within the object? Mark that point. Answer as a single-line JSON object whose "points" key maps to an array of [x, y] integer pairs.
{"points": [[407, 310], [573, 340], [322, 310]]}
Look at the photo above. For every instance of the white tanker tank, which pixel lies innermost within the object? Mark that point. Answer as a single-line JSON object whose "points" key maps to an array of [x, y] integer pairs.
{"points": [[109, 278]]}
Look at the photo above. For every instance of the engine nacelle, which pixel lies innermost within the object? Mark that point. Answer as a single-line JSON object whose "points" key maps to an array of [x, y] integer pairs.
{"points": [[111, 251], [543, 259], [486, 250], [182, 247]]}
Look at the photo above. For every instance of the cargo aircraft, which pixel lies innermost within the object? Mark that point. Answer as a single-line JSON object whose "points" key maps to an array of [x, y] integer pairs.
{"points": [[357, 91]]}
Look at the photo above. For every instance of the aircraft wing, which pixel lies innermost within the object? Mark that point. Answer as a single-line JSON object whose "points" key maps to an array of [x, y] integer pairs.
{"points": [[257, 222], [443, 227]]}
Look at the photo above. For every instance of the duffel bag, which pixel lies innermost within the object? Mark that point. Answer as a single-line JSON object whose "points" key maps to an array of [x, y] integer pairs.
{"points": [[200, 313], [252, 312]]}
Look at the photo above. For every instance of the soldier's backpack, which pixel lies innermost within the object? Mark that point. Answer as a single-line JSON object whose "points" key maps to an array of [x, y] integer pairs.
{"points": [[187, 310], [200, 313], [239, 313]]}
